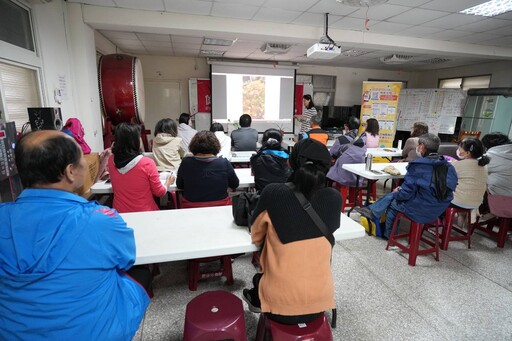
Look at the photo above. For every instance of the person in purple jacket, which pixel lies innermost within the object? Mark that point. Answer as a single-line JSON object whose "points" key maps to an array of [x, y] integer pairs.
{"points": [[65, 263]]}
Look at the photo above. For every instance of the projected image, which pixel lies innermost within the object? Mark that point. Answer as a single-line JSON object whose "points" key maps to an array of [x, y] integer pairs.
{"points": [[264, 93], [254, 96]]}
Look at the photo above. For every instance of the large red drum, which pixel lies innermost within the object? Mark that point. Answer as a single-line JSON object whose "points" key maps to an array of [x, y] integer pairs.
{"points": [[121, 88]]}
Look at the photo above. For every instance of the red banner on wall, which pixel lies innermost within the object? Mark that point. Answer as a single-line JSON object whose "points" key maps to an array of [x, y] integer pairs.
{"points": [[299, 93], [204, 95]]}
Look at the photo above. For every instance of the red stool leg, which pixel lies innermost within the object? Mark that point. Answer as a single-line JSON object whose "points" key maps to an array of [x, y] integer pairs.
{"points": [[227, 269], [469, 229], [393, 230], [343, 192], [447, 228], [414, 242], [193, 275], [502, 232]]}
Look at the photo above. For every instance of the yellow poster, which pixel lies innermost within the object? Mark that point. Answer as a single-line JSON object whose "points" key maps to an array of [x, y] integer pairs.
{"points": [[380, 101]]}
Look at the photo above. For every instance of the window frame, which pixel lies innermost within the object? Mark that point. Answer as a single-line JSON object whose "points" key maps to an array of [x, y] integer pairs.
{"points": [[463, 78]]}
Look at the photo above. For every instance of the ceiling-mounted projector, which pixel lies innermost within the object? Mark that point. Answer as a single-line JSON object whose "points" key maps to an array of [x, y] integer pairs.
{"points": [[326, 48], [323, 51]]}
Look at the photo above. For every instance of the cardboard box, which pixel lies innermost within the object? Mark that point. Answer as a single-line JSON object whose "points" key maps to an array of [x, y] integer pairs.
{"points": [[93, 166]]}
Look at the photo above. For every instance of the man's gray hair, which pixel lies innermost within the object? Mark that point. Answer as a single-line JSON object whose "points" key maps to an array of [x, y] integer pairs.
{"points": [[316, 119], [431, 142]]}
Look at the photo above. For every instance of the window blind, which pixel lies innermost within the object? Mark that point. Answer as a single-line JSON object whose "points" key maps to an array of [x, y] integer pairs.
{"points": [[20, 91]]}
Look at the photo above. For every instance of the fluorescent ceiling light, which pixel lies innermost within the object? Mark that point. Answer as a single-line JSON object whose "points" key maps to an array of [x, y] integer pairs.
{"points": [[490, 8], [217, 42], [213, 53]]}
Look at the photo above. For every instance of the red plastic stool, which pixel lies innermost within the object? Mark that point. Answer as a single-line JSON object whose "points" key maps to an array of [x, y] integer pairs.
{"points": [[317, 330], [448, 227], [215, 315], [414, 238], [349, 194], [501, 207], [195, 274]]}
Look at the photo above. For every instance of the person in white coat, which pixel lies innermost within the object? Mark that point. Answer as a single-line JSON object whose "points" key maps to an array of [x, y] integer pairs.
{"points": [[185, 131], [224, 140]]}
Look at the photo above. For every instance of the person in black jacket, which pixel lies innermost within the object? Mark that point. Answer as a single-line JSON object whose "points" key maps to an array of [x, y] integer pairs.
{"points": [[270, 164]]}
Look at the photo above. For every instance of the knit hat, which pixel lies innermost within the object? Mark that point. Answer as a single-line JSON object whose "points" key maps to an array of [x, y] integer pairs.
{"points": [[308, 151]]}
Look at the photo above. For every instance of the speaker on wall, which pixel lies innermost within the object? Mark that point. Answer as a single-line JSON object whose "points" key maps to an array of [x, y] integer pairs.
{"points": [[45, 118]]}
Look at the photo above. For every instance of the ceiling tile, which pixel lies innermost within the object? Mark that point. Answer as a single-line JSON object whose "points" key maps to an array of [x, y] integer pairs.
{"points": [[451, 5], [295, 5], [447, 35], [185, 46], [505, 41], [504, 16], [188, 6], [105, 3], [419, 31], [244, 2], [348, 23], [119, 35], [485, 25], [385, 27], [276, 15], [332, 7], [154, 37], [379, 12], [477, 38], [453, 20], [187, 40], [151, 5], [237, 11], [315, 19], [128, 43], [504, 31], [157, 52], [417, 16], [410, 3], [157, 44]]}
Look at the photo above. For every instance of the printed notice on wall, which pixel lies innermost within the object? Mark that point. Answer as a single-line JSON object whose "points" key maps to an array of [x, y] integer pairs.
{"points": [[63, 87]]}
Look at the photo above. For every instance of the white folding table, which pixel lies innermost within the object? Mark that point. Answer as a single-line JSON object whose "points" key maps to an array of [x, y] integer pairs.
{"points": [[171, 235]]}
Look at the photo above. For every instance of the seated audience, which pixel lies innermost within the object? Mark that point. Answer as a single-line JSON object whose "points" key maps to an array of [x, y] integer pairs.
{"points": [[499, 150], [409, 150], [471, 173], [204, 177], [316, 133], [167, 147], [245, 137], [270, 164], [65, 261], [348, 148], [309, 111], [185, 131], [135, 179], [372, 133], [426, 192], [224, 140], [296, 282]]}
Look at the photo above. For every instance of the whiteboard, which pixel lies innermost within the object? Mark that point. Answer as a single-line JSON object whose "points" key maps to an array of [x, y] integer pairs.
{"points": [[163, 100], [438, 108]]}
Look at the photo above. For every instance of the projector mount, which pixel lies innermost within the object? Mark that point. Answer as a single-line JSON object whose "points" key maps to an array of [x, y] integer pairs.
{"points": [[325, 39]]}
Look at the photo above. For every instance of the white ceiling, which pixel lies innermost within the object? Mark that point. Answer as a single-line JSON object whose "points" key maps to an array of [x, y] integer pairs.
{"points": [[429, 31]]}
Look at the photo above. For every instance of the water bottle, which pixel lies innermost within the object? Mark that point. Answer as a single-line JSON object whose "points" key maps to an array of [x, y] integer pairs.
{"points": [[399, 146], [368, 162]]}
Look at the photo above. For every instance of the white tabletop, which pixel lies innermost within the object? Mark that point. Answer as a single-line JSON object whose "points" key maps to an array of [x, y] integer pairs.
{"points": [[359, 169], [241, 156], [384, 152], [171, 235], [243, 174]]}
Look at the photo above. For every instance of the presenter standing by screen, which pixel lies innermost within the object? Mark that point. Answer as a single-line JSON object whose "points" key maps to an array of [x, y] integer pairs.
{"points": [[307, 113]]}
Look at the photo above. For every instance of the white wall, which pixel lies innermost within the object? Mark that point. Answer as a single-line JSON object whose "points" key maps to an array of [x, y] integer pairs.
{"points": [[501, 75], [349, 81], [67, 53]]}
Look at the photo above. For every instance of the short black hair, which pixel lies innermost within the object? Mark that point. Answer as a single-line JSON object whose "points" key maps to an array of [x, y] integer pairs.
{"points": [[204, 142], [245, 121], [184, 118], [495, 139], [353, 123], [127, 139], [45, 162], [216, 126], [166, 126], [475, 148]]}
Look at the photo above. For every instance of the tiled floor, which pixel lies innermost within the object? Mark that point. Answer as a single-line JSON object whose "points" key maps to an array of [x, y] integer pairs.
{"points": [[467, 295]]}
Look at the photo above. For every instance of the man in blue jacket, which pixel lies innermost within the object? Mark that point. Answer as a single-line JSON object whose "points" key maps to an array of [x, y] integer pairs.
{"points": [[426, 192], [63, 259]]}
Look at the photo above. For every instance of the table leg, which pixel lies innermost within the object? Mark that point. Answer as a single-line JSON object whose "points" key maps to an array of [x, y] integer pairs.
{"points": [[355, 196]]}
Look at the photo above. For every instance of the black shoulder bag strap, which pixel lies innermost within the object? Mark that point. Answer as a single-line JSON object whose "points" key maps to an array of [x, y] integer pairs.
{"points": [[306, 205]]}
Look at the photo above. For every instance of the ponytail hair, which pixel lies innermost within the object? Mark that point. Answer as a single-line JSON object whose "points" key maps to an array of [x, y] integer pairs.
{"points": [[475, 147]]}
